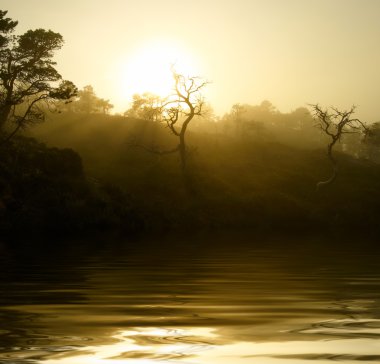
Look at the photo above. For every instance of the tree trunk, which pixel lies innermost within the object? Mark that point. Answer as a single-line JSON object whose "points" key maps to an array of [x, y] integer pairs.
{"points": [[4, 114], [182, 152], [182, 144], [334, 167], [188, 180]]}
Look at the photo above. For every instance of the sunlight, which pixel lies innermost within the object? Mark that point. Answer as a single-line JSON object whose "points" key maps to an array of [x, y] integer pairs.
{"points": [[177, 345], [148, 70], [143, 346]]}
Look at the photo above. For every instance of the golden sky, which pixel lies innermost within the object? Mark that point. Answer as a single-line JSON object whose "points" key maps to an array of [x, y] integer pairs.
{"points": [[291, 52]]}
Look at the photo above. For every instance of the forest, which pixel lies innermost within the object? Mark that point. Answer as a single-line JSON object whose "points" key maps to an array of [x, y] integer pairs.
{"points": [[170, 164]]}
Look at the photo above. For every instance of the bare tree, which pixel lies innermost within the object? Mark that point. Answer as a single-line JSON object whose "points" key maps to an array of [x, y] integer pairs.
{"points": [[335, 123], [177, 111], [186, 103]]}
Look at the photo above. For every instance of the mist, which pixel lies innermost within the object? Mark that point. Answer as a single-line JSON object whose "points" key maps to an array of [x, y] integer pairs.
{"points": [[191, 181], [255, 167]]}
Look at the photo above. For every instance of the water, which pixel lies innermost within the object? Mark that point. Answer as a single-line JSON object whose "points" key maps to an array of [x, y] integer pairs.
{"points": [[202, 300]]}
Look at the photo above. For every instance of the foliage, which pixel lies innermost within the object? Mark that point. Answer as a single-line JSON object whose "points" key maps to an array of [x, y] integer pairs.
{"points": [[7, 26], [44, 190], [87, 102], [146, 106], [372, 142], [29, 82], [265, 122]]}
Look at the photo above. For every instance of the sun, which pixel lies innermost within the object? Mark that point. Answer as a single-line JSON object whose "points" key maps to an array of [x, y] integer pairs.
{"points": [[148, 69]]}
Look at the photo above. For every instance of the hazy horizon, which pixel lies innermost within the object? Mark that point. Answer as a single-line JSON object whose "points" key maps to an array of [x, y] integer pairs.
{"points": [[290, 53]]}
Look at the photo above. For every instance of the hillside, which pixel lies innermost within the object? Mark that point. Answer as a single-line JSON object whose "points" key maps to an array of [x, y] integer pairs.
{"points": [[44, 190], [249, 182]]}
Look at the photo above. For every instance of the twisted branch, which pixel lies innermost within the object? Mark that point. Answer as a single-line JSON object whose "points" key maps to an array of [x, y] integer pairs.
{"points": [[335, 123]]}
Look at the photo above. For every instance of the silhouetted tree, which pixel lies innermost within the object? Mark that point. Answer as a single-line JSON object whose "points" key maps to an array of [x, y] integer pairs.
{"points": [[29, 83], [177, 111], [186, 103], [7, 26], [335, 123]]}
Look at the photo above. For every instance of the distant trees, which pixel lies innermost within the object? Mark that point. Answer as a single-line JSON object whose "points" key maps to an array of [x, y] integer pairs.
{"points": [[237, 111], [335, 123], [146, 106], [87, 102], [29, 82], [265, 122], [372, 142]]}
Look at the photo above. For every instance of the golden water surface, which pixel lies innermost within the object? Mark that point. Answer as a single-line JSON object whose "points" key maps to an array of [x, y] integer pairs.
{"points": [[202, 300]]}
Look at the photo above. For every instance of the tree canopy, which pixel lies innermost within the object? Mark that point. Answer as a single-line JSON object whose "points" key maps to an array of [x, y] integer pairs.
{"points": [[29, 81], [87, 102], [146, 106]]}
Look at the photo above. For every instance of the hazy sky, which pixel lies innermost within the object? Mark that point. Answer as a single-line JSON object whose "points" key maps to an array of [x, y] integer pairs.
{"points": [[291, 52]]}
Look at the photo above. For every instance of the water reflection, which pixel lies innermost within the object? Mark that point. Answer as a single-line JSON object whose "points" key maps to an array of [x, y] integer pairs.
{"points": [[145, 346], [190, 302], [202, 345]]}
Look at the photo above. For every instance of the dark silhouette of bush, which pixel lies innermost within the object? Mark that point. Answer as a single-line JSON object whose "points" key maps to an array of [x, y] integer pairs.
{"points": [[45, 190]]}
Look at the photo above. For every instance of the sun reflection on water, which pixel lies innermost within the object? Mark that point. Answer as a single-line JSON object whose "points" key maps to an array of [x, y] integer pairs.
{"points": [[204, 345], [143, 346], [256, 308]]}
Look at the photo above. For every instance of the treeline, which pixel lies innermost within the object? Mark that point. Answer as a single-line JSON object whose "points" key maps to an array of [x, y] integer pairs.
{"points": [[253, 180], [298, 128]]}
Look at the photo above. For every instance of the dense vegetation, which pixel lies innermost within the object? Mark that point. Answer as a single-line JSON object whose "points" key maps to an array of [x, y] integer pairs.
{"points": [[44, 190], [253, 180]]}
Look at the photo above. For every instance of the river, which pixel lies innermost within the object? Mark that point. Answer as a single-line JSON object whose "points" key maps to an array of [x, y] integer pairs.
{"points": [[197, 300]]}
